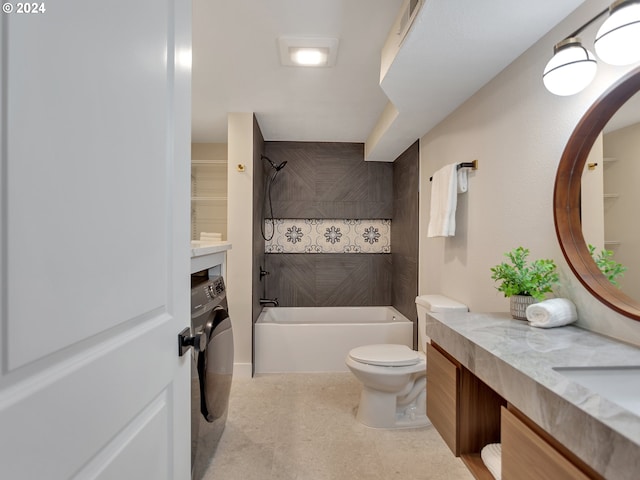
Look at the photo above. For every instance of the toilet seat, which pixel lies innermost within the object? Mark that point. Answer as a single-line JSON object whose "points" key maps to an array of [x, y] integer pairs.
{"points": [[385, 355]]}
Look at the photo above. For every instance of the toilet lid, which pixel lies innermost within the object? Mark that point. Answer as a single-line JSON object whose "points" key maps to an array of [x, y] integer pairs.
{"points": [[385, 355]]}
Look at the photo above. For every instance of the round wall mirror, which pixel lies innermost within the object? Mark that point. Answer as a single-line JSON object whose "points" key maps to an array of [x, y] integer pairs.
{"points": [[567, 197]]}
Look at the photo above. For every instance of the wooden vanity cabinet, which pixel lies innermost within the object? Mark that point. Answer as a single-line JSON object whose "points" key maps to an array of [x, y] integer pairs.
{"points": [[529, 453], [468, 415], [464, 410], [443, 377]]}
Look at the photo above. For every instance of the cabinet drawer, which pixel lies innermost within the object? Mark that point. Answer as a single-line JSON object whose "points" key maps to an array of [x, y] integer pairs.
{"points": [[442, 400], [527, 456]]}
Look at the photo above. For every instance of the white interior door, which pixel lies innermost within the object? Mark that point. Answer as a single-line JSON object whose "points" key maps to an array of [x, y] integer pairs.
{"points": [[94, 236]]}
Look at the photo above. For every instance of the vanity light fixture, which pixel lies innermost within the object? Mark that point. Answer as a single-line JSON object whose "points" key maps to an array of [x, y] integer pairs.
{"points": [[618, 39], [571, 68], [308, 51], [617, 42]]}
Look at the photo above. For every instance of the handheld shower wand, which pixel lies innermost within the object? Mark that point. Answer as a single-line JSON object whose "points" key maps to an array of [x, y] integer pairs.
{"points": [[268, 205]]}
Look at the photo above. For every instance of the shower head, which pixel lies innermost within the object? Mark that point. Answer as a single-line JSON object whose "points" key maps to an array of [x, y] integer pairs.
{"points": [[277, 168]]}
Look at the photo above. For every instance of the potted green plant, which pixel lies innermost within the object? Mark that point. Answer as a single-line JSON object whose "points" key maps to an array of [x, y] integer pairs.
{"points": [[607, 265], [524, 282]]}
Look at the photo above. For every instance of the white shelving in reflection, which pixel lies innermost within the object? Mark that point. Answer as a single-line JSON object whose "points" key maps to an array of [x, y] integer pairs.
{"points": [[208, 197]]}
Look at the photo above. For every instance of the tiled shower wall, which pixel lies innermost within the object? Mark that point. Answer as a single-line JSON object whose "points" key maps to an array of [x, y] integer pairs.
{"points": [[404, 234], [258, 241], [332, 181], [317, 235], [329, 181]]}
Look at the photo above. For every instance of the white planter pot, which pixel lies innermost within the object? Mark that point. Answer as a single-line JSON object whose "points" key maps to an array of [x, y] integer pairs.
{"points": [[519, 304]]}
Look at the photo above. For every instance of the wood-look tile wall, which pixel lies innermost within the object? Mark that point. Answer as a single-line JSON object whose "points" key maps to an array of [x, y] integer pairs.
{"points": [[258, 197], [334, 279], [404, 232], [329, 180]]}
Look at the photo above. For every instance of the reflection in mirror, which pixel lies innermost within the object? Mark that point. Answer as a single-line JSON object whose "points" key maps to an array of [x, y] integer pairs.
{"points": [[622, 227], [611, 194]]}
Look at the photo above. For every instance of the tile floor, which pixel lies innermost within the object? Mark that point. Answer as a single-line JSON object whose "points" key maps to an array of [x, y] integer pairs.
{"points": [[302, 427]]}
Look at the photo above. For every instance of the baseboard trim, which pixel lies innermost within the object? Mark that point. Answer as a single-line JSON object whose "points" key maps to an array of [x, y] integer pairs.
{"points": [[242, 370]]}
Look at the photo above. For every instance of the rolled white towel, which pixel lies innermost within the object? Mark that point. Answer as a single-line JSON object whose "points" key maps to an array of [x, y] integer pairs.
{"points": [[492, 458], [555, 312]]}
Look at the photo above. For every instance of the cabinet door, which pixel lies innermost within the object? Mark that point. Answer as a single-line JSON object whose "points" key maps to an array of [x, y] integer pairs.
{"points": [[442, 396], [526, 456]]}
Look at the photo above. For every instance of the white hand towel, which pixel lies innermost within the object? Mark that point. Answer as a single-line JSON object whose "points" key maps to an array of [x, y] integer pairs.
{"points": [[444, 199], [555, 312], [492, 458]]}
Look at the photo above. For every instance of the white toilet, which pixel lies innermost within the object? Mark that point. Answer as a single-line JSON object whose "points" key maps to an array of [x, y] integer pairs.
{"points": [[394, 377]]}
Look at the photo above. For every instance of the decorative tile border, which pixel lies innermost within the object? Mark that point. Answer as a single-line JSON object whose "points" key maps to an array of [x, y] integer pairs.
{"points": [[328, 236]]}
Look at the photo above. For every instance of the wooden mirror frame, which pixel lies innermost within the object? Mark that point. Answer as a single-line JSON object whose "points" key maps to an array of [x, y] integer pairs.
{"points": [[566, 196]]}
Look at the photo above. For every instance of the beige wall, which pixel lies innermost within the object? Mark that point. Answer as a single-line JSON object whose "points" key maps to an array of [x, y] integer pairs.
{"points": [[239, 258], [208, 151], [591, 197], [517, 130]]}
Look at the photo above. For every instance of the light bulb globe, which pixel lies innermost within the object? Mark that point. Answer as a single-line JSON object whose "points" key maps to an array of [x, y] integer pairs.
{"points": [[618, 39], [570, 70]]}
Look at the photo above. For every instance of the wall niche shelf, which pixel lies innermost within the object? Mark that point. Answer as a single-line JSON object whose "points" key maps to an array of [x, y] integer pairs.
{"points": [[209, 199], [611, 195], [209, 162], [208, 196]]}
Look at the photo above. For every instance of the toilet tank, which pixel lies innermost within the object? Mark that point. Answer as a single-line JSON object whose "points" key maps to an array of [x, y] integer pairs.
{"points": [[433, 304]]}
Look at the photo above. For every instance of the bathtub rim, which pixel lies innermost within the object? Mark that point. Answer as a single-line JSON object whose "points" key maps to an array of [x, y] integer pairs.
{"points": [[399, 317]]}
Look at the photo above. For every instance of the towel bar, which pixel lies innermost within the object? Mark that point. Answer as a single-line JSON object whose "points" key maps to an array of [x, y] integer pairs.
{"points": [[472, 165]]}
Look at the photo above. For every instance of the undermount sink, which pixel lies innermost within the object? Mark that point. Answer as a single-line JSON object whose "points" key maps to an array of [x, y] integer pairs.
{"points": [[620, 385]]}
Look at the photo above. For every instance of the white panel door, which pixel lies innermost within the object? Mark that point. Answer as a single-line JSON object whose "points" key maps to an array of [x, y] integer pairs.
{"points": [[94, 238]]}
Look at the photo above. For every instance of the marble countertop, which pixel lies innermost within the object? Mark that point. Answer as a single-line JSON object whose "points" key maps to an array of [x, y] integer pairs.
{"points": [[517, 361]]}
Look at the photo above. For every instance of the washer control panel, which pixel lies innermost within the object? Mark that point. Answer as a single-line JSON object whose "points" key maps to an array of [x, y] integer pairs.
{"points": [[214, 288], [207, 294]]}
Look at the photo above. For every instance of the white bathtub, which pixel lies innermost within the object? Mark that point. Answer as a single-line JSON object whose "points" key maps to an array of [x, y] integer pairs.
{"points": [[317, 339]]}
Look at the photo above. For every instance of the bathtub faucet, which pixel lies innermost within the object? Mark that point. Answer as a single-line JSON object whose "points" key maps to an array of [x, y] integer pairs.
{"points": [[269, 301]]}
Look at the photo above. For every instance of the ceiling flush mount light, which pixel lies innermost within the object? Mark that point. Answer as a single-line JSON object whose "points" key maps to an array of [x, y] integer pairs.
{"points": [[618, 39], [571, 69], [617, 42], [309, 57], [308, 51]]}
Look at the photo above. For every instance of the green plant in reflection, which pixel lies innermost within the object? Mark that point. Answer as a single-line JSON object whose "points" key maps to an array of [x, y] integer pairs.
{"points": [[607, 265]]}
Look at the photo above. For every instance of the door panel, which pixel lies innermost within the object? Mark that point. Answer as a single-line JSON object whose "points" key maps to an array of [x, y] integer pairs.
{"points": [[75, 165], [140, 451], [94, 240]]}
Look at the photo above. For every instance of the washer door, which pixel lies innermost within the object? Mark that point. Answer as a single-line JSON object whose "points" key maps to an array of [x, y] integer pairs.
{"points": [[215, 365]]}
